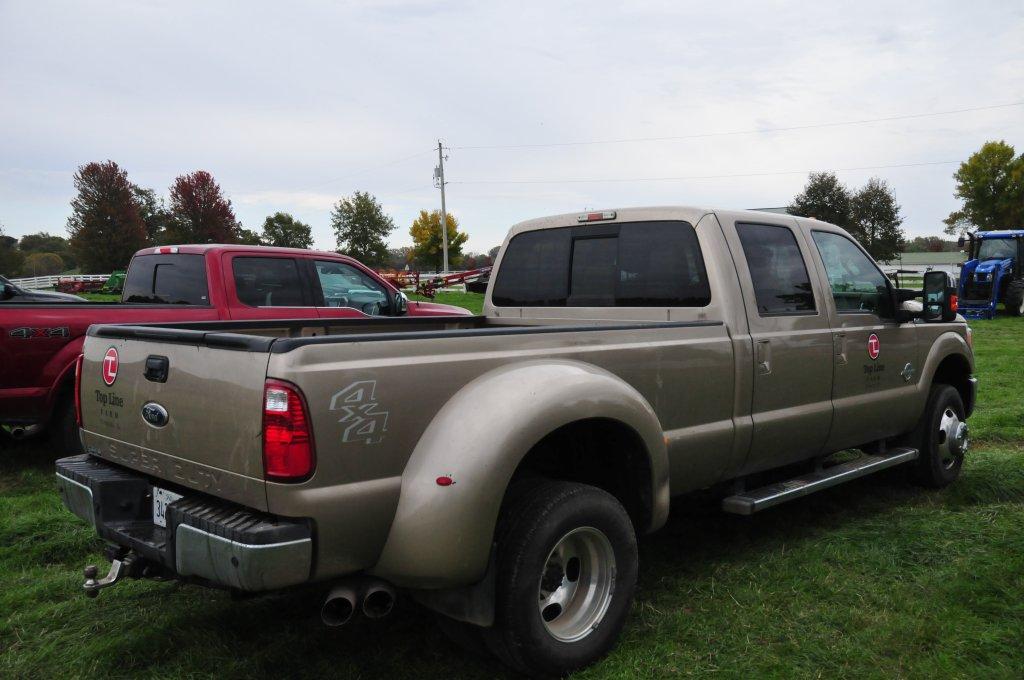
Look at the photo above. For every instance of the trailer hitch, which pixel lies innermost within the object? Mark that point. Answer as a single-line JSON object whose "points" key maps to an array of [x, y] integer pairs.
{"points": [[125, 566]]}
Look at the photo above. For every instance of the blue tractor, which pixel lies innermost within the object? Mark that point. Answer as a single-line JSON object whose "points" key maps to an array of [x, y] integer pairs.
{"points": [[993, 273]]}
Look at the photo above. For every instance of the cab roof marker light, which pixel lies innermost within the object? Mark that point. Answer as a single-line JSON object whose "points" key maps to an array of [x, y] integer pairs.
{"points": [[596, 216], [165, 250]]}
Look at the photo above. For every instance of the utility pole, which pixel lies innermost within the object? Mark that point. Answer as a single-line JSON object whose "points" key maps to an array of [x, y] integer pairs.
{"points": [[439, 183]]}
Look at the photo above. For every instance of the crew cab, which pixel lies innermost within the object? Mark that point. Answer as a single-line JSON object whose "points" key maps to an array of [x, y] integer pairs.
{"points": [[40, 341], [499, 468]]}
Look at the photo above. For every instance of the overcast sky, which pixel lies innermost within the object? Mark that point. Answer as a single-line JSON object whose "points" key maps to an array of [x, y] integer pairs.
{"points": [[293, 104]]}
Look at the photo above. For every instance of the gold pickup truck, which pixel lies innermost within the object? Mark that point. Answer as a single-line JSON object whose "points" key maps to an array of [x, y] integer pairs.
{"points": [[499, 468]]}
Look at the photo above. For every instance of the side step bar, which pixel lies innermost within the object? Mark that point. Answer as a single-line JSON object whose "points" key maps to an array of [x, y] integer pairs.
{"points": [[755, 500]]}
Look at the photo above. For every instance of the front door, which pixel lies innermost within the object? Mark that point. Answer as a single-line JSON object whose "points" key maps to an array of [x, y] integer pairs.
{"points": [[876, 364], [792, 343]]}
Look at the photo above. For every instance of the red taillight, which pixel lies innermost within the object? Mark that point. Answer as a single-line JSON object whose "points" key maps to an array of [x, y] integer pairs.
{"points": [[78, 389], [287, 436], [596, 216], [954, 303]]}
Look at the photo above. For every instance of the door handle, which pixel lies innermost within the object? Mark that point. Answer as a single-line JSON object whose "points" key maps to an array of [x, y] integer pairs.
{"points": [[764, 357], [840, 347]]}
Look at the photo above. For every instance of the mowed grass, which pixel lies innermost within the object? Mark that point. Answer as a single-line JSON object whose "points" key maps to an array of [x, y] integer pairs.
{"points": [[872, 579]]}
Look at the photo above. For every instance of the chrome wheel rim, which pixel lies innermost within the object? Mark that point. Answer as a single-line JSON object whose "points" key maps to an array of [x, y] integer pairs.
{"points": [[576, 584], [953, 438]]}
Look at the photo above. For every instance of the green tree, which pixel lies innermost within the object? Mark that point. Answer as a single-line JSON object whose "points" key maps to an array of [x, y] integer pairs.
{"points": [[200, 212], [426, 238], [155, 214], [105, 225], [10, 256], [824, 198], [248, 237], [42, 264], [361, 228], [876, 220], [44, 242], [284, 231], [991, 185]]}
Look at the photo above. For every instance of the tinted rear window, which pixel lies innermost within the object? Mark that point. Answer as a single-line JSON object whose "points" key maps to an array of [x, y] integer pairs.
{"points": [[177, 279], [777, 269], [634, 264]]}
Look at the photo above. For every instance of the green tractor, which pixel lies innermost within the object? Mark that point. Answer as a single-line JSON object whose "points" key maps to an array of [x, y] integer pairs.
{"points": [[114, 284]]}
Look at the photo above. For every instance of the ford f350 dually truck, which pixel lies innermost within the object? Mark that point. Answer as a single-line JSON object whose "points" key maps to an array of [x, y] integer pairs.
{"points": [[40, 339], [499, 468]]}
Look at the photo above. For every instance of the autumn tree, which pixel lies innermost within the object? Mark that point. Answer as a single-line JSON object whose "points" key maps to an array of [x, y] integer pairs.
{"points": [[361, 228], [199, 211], [824, 198], [991, 186], [10, 257], [426, 238], [105, 226], [876, 220], [284, 231]]}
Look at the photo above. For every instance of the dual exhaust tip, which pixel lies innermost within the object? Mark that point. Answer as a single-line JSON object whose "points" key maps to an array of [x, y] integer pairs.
{"points": [[375, 599]]}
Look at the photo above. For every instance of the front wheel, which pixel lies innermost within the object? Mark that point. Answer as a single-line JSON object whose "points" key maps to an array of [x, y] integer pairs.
{"points": [[1015, 298], [567, 569], [942, 436]]}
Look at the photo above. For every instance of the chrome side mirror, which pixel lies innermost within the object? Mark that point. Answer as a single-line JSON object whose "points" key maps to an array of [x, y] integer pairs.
{"points": [[401, 304], [940, 303]]}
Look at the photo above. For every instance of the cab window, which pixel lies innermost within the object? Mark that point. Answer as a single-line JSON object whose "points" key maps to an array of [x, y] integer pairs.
{"points": [[268, 282], [856, 282], [346, 286], [777, 270]]}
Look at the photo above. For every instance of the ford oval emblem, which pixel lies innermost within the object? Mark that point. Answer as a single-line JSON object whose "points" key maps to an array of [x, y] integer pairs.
{"points": [[155, 414]]}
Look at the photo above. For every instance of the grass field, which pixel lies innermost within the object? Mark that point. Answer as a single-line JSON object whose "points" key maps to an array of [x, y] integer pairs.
{"points": [[871, 579]]}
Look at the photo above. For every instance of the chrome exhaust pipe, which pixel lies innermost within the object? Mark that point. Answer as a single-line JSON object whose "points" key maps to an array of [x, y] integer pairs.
{"points": [[379, 600], [340, 606]]}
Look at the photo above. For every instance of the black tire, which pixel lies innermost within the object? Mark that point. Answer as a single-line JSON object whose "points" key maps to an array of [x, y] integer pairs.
{"points": [[1015, 298], [64, 428], [942, 456], [533, 523]]}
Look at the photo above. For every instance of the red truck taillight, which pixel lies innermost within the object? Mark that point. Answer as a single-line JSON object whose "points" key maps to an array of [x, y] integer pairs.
{"points": [[287, 436], [78, 389]]}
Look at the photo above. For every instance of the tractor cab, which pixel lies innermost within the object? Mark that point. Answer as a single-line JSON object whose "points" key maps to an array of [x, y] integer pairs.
{"points": [[992, 274]]}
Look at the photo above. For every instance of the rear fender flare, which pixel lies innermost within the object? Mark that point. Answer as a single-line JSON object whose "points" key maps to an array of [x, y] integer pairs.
{"points": [[441, 536]]}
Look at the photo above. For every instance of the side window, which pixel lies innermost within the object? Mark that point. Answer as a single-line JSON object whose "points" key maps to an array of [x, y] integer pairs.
{"points": [[634, 264], [346, 286], [268, 282], [857, 284], [777, 269]]}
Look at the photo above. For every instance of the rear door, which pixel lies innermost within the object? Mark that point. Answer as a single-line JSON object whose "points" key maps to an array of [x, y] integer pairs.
{"points": [[212, 400], [267, 287], [791, 337], [876, 363]]}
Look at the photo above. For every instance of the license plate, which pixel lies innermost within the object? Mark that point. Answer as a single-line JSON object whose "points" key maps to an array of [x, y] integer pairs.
{"points": [[161, 499]]}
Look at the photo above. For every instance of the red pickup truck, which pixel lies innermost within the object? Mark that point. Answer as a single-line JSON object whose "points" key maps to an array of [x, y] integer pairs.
{"points": [[39, 343]]}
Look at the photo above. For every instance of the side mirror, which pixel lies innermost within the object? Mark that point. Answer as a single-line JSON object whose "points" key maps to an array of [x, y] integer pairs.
{"points": [[940, 301], [960, 242], [401, 304], [7, 292]]}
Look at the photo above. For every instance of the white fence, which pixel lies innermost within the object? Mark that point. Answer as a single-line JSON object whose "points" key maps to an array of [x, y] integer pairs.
{"points": [[46, 282]]}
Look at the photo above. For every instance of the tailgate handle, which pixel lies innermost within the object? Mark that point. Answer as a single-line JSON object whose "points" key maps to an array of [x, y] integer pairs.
{"points": [[156, 368]]}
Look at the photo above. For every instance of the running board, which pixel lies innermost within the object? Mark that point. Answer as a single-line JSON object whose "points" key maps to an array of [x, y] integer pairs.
{"points": [[749, 502]]}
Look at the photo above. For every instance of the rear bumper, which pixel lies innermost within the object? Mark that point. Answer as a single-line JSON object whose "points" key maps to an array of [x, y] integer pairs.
{"points": [[206, 539]]}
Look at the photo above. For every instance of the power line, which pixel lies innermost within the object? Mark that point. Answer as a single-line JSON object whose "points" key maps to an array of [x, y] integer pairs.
{"points": [[789, 128], [695, 177]]}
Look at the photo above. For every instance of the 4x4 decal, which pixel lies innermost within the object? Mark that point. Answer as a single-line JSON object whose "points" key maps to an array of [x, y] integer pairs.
{"points": [[362, 416], [30, 333]]}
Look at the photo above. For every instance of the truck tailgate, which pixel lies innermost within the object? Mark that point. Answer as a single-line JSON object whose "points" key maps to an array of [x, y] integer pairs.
{"points": [[200, 427]]}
